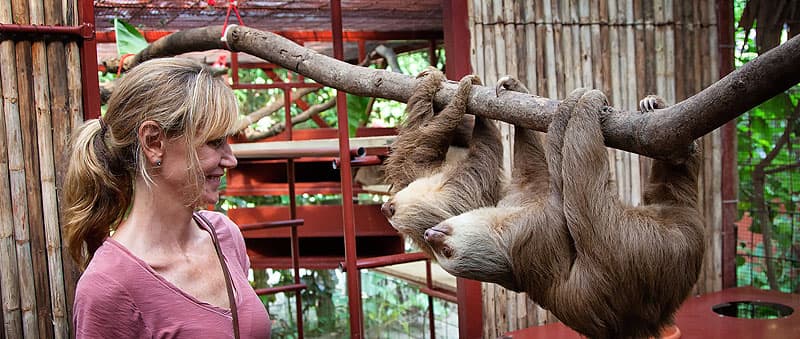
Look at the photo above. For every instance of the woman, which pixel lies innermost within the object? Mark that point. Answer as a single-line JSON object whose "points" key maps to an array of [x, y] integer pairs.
{"points": [[153, 266]]}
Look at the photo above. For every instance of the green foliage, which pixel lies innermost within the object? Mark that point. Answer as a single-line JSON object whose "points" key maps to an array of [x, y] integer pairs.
{"points": [[129, 40], [392, 308], [758, 133]]}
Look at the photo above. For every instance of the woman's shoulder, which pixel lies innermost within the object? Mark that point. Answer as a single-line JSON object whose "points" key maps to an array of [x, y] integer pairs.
{"points": [[218, 220], [110, 262]]}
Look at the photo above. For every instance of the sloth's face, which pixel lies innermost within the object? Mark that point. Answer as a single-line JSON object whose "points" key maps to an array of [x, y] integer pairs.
{"points": [[471, 245], [417, 207]]}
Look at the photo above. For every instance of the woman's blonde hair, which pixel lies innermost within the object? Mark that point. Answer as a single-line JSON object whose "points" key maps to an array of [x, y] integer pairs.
{"points": [[185, 98]]}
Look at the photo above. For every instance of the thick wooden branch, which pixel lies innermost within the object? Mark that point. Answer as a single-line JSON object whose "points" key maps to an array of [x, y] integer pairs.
{"points": [[664, 134]]}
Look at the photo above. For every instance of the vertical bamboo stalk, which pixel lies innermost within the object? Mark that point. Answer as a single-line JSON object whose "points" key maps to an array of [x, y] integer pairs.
{"points": [[529, 74], [490, 68], [473, 46], [75, 116], [520, 43], [563, 33], [27, 216], [669, 43], [477, 34], [605, 48], [45, 190], [713, 61], [596, 56], [549, 50], [633, 77], [613, 37], [52, 173], [489, 294], [11, 169], [584, 12]]}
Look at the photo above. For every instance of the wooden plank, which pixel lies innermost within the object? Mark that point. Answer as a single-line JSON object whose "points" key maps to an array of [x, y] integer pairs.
{"points": [[415, 272], [316, 147]]}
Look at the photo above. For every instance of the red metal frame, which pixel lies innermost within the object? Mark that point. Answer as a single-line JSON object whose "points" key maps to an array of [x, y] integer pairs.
{"points": [[88, 54], [353, 276], [302, 36], [730, 177], [457, 49]]}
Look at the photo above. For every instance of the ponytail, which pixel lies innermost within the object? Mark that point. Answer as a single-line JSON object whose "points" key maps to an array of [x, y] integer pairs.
{"points": [[97, 191]]}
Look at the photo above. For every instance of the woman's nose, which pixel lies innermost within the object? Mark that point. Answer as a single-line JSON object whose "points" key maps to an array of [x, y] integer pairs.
{"points": [[228, 160]]}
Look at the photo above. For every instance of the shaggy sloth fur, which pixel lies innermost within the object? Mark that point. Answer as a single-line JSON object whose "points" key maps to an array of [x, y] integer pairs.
{"points": [[560, 233]]}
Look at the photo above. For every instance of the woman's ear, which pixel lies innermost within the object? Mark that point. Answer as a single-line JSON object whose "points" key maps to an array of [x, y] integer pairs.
{"points": [[151, 137]]}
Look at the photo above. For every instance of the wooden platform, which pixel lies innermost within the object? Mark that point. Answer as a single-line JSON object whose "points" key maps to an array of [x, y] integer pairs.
{"points": [[695, 319], [414, 272]]}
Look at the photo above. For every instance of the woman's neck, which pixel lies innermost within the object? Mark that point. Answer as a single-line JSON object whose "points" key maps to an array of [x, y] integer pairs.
{"points": [[157, 221]]}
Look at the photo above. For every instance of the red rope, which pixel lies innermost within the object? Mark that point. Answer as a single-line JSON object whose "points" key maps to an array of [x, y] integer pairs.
{"points": [[232, 6], [121, 63]]}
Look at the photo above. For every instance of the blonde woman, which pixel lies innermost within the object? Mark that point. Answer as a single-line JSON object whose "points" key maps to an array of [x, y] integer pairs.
{"points": [[141, 171]]}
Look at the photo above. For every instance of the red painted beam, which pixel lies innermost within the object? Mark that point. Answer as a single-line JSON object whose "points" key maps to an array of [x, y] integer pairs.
{"points": [[457, 52], [304, 36], [279, 289], [386, 260], [88, 55], [730, 175], [82, 31]]}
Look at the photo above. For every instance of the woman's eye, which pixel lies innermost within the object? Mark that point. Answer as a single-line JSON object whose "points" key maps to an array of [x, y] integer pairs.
{"points": [[216, 143]]}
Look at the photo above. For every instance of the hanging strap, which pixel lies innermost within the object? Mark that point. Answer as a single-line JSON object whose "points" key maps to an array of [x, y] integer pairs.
{"points": [[225, 271]]}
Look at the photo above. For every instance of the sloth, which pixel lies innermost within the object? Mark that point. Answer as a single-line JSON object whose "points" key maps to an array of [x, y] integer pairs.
{"points": [[438, 167], [560, 233]]}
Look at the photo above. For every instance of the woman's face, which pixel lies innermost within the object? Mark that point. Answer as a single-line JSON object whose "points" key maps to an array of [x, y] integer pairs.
{"points": [[215, 157]]}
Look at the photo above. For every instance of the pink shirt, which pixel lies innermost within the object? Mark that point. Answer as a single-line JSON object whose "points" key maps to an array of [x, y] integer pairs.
{"points": [[120, 296]]}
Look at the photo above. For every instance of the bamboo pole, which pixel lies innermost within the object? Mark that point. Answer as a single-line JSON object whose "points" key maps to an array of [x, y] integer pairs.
{"points": [[585, 25], [45, 234], [28, 213], [53, 123], [596, 56], [714, 58], [487, 57], [11, 165], [75, 118], [531, 62]]}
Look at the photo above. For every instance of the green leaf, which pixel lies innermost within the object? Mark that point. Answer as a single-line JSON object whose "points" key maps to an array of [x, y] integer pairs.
{"points": [[129, 40]]}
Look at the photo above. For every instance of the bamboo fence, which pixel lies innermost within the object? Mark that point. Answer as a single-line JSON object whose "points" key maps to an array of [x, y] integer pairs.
{"points": [[626, 48], [41, 102]]}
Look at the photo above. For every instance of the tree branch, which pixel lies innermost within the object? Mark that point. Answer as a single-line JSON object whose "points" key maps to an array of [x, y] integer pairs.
{"points": [[270, 108], [279, 127], [663, 134]]}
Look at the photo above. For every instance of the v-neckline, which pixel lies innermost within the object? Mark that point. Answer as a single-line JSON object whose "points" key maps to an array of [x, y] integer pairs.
{"points": [[171, 286]]}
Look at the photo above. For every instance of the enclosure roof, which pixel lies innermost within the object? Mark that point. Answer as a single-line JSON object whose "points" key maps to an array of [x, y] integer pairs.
{"points": [[297, 15]]}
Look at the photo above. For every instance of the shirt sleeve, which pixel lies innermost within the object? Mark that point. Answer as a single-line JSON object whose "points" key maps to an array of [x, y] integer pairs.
{"points": [[104, 309]]}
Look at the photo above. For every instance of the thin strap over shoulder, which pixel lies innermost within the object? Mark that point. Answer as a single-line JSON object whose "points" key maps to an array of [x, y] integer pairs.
{"points": [[228, 281]]}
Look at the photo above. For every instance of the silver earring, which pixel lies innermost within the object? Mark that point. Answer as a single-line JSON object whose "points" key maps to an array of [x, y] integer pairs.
{"points": [[158, 163]]}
